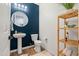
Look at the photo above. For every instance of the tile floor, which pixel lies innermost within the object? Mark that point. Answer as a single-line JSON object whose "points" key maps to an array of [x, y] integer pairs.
{"points": [[31, 52]]}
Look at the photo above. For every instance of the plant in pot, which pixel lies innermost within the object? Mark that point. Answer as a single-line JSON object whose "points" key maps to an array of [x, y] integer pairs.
{"points": [[68, 5]]}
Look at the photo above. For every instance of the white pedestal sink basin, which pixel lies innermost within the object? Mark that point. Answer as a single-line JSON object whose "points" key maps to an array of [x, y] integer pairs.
{"points": [[19, 36]]}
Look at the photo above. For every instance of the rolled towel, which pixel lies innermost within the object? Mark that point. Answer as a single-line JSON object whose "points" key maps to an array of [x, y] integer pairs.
{"points": [[67, 52]]}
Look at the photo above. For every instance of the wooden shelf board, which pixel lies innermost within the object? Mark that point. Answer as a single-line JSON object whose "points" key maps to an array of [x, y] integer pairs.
{"points": [[61, 53], [69, 14], [70, 42], [70, 28]]}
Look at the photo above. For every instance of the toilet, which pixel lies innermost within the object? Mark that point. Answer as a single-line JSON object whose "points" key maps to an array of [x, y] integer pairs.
{"points": [[37, 43]]}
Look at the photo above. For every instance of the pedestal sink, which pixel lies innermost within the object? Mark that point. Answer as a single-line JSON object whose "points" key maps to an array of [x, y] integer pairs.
{"points": [[19, 36]]}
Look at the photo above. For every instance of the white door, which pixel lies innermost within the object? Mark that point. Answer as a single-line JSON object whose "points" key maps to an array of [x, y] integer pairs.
{"points": [[4, 29]]}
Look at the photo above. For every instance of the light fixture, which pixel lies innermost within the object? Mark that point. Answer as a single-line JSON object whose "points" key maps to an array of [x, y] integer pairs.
{"points": [[20, 6], [25, 7]]}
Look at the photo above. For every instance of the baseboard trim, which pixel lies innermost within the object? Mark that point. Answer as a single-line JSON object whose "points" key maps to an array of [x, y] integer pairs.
{"points": [[22, 48], [50, 53]]}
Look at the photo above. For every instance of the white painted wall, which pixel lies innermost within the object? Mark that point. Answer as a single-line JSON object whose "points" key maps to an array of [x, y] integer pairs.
{"points": [[48, 25], [4, 29]]}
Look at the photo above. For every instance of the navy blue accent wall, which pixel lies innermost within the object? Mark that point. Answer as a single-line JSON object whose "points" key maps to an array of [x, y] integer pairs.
{"points": [[31, 28]]}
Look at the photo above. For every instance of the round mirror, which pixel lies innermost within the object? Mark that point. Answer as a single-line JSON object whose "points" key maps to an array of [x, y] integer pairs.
{"points": [[19, 19]]}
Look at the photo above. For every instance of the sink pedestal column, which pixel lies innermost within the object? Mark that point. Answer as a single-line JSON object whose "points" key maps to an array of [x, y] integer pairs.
{"points": [[19, 37], [19, 45]]}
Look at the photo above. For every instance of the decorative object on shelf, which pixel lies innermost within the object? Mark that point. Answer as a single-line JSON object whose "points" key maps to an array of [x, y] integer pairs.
{"points": [[71, 26], [67, 36], [68, 5], [66, 39]]}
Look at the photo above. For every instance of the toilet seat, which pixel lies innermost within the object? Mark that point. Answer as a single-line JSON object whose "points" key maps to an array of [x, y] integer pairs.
{"points": [[37, 41]]}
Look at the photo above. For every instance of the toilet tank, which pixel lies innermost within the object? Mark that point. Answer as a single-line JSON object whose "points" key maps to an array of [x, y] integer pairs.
{"points": [[34, 37]]}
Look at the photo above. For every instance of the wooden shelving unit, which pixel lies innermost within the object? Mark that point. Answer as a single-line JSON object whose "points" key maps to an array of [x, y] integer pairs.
{"points": [[66, 16], [69, 42]]}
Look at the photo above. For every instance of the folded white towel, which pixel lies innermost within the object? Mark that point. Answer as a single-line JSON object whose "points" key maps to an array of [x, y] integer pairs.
{"points": [[67, 52]]}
